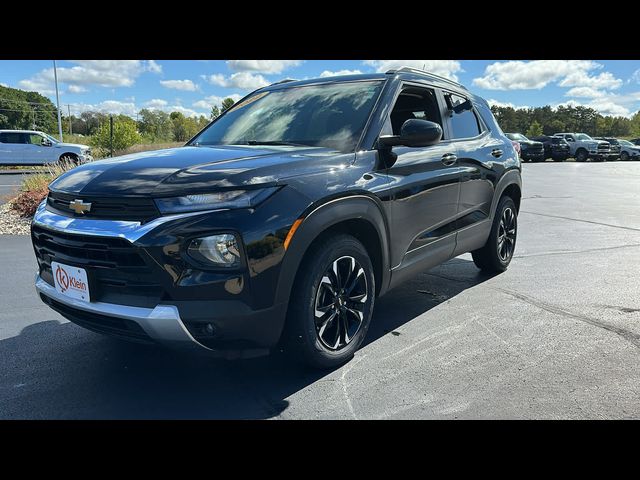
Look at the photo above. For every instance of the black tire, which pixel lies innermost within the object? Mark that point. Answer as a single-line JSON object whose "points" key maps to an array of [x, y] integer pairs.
{"points": [[581, 155], [305, 337], [491, 257], [624, 156], [559, 159]]}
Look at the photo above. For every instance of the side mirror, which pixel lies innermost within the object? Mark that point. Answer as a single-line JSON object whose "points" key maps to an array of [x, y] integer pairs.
{"points": [[45, 142], [413, 133]]}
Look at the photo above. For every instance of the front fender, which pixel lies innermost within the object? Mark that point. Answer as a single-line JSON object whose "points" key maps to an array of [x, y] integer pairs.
{"points": [[320, 219]]}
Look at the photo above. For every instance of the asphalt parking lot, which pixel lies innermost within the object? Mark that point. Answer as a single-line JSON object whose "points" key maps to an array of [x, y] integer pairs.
{"points": [[556, 336], [9, 185]]}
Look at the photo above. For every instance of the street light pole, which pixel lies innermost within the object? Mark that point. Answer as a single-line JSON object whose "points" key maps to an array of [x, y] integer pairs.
{"points": [[55, 75]]}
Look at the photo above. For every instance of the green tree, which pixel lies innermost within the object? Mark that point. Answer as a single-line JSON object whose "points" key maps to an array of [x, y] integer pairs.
{"points": [[215, 112], [125, 134], [183, 127], [534, 130], [155, 125], [25, 110], [227, 103]]}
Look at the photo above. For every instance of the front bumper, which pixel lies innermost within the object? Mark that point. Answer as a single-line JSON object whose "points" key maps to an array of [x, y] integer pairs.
{"points": [[161, 324], [160, 294], [527, 155]]}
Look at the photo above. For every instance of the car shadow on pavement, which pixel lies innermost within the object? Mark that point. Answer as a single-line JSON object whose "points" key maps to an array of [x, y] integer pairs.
{"points": [[58, 370]]}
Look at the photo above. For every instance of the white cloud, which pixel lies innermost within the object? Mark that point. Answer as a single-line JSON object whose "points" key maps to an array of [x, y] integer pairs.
{"points": [[582, 79], [623, 105], [212, 100], [329, 73], [154, 67], [114, 107], [444, 68], [537, 74], [497, 103], [262, 66], [185, 85], [76, 89], [85, 73], [241, 80], [156, 103], [3, 85], [584, 92]]}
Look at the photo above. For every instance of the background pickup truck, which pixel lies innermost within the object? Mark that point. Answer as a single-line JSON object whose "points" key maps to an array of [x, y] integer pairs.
{"points": [[583, 147]]}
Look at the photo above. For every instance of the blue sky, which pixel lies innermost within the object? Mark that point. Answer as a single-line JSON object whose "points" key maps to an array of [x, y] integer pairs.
{"points": [[125, 86]]}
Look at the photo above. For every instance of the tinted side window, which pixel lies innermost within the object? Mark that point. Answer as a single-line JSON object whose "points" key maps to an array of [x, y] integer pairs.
{"points": [[414, 102], [464, 124], [11, 137]]}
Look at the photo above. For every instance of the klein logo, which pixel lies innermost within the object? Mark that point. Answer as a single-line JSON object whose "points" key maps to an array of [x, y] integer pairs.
{"points": [[80, 207], [63, 279]]}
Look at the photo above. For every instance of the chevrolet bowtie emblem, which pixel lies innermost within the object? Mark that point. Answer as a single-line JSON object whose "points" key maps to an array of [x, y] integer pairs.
{"points": [[80, 207]]}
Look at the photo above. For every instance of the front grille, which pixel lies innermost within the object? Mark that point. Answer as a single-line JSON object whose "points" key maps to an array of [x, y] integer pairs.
{"points": [[106, 208], [116, 269], [604, 148], [105, 324]]}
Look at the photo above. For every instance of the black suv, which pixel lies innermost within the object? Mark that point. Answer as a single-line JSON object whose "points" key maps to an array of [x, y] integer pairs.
{"points": [[283, 220], [529, 150], [555, 148]]}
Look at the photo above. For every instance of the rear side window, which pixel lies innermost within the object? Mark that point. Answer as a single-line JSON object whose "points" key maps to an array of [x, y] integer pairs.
{"points": [[464, 124], [12, 137]]}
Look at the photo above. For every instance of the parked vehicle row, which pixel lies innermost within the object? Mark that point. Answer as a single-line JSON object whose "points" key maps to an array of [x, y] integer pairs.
{"points": [[31, 147], [580, 146]]}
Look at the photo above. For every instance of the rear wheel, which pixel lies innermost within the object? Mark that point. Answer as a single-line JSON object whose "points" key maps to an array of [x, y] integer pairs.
{"points": [[497, 253], [332, 302]]}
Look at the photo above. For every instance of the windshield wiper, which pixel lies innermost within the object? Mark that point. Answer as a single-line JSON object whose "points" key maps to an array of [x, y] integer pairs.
{"points": [[275, 142]]}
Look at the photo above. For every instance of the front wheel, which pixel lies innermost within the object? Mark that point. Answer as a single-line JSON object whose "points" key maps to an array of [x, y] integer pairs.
{"points": [[624, 156], [581, 156], [332, 302], [497, 253]]}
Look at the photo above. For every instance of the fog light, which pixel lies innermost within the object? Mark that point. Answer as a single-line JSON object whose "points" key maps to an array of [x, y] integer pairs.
{"points": [[218, 250], [209, 329]]}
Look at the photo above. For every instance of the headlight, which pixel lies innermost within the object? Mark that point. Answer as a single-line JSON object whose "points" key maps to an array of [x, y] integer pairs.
{"points": [[214, 201], [220, 250]]}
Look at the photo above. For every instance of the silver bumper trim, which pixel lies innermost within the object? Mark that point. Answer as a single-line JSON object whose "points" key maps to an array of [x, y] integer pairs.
{"points": [[128, 230], [162, 323]]}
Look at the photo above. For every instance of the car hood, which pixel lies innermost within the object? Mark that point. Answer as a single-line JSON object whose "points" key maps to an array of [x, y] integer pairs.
{"points": [[182, 170], [530, 143], [71, 145]]}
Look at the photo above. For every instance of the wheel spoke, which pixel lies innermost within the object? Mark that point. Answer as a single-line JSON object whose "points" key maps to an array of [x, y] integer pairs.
{"points": [[326, 323], [341, 299]]}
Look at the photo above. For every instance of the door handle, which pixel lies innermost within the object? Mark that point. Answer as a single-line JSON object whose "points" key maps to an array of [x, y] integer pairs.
{"points": [[449, 159], [496, 153]]}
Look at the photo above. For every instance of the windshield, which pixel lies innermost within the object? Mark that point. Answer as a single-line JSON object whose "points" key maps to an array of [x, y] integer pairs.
{"points": [[626, 143], [53, 140], [329, 115], [517, 137], [583, 136]]}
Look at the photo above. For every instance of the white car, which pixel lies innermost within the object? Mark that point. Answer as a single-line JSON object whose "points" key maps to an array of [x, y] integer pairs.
{"points": [[30, 147], [628, 150]]}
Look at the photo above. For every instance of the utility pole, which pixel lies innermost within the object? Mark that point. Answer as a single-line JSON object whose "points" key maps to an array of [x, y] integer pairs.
{"points": [[70, 122], [55, 76]]}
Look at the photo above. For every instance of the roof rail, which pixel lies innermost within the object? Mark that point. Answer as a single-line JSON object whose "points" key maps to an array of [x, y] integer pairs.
{"points": [[286, 80], [424, 72]]}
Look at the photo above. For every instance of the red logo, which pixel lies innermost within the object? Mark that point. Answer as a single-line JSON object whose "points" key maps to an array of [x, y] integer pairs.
{"points": [[63, 278]]}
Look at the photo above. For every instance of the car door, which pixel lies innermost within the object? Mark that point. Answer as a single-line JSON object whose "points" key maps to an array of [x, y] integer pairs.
{"points": [[12, 148], [35, 152], [480, 160], [424, 189]]}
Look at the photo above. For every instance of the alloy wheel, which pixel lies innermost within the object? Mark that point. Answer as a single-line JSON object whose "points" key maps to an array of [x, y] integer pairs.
{"points": [[506, 234], [340, 303]]}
